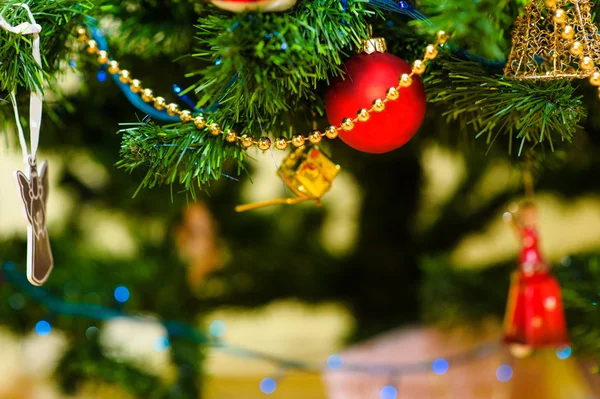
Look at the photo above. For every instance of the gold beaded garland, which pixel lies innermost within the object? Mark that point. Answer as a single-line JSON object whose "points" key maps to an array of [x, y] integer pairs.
{"points": [[124, 76], [568, 32], [392, 94], [136, 86], [102, 57], [347, 124], [230, 136], [200, 122], [331, 132], [431, 52], [214, 129], [298, 140], [405, 80], [576, 48], [550, 3], [281, 143], [378, 105], [595, 79], [160, 103], [147, 95], [264, 143], [186, 116], [418, 67], [247, 141], [172, 109], [363, 115], [315, 137], [587, 63], [560, 16], [113, 67]]}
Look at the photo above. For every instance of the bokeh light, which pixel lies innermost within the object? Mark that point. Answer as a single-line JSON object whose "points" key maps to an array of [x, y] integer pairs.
{"points": [[43, 328], [504, 373], [440, 366], [16, 301], [161, 344], [121, 294], [388, 392], [91, 332], [563, 352], [217, 328], [335, 362], [268, 386]]}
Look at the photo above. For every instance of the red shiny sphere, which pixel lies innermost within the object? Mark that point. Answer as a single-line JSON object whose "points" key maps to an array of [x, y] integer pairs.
{"points": [[368, 77]]}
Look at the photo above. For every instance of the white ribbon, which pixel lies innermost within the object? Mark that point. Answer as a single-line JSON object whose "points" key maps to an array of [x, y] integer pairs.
{"points": [[35, 100]]}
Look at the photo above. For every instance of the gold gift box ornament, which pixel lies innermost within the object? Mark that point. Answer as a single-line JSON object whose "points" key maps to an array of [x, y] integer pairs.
{"points": [[308, 172]]}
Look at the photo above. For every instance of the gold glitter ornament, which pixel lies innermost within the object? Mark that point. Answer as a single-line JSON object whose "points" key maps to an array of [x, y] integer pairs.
{"points": [[549, 43]]}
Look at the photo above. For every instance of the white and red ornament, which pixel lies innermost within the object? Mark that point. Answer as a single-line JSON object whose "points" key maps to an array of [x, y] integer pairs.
{"points": [[254, 5]]}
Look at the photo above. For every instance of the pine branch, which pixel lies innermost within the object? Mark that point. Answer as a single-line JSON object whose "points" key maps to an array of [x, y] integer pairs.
{"points": [[529, 112], [17, 66], [262, 66], [177, 154], [479, 26]]}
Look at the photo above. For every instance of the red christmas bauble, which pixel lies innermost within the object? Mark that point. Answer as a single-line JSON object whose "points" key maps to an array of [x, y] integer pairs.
{"points": [[368, 76]]}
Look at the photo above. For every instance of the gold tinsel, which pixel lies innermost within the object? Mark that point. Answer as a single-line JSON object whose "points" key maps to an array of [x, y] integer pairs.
{"points": [[539, 48]]}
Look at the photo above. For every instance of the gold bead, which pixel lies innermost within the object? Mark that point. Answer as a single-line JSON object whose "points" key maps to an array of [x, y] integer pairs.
{"points": [[102, 57], [124, 76], [92, 47], [147, 95], [431, 52], [186, 116], [378, 105], [298, 140], [363, 115], [315, 137], [135, 86], [247, 141], [568, 32], [560, 16], [587, 63], [281, 143], [230, 136], [264, 143], [331, 132], [418, 67], [595, 79], [81, 31], [392, 94], [550, 3], [214, 129], [160, 103], [172, 109], [576, 48], [347, 124], [113, 67], [200, 122], [442, 37], [405, 80]]}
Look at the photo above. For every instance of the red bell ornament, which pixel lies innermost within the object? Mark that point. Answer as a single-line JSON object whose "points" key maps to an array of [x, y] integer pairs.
{"points": [[368, 77], [254, 5]]}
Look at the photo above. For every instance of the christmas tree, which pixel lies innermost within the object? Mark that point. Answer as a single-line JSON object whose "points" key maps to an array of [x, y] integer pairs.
{"points": [[413, 125]]}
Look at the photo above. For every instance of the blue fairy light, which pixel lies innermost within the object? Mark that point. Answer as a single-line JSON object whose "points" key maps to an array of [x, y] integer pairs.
{"points": [[284, 46], [121, 294], [161, 344], [268, 385], [388, 392], [564, 352], [440, 366], [504, 373], [218, 328], [102, 75], [219, 61], [43, 328], [335, 362]]}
